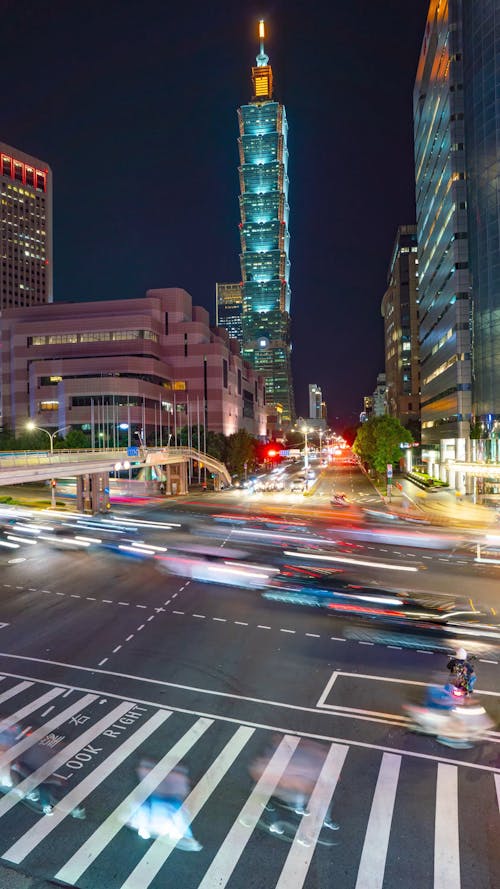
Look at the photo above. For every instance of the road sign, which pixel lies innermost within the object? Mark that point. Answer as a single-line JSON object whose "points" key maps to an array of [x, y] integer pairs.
{"points": [[389, 470], [132, 452]]}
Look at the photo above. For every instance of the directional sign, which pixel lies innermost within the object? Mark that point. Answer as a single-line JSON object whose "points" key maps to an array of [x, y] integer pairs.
{"points": [[132, 452]]}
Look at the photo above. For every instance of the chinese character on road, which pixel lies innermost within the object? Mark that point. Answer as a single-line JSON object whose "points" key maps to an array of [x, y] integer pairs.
{"points": [[79, 719], [51, 740]]}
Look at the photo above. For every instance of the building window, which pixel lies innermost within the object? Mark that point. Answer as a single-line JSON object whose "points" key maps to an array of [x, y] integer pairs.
{"points": [[224, 373], [239, 382]]}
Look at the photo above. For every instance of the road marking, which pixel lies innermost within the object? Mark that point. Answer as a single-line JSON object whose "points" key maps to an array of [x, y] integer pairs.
{"points": [[446, 836], [116, 649], [46, 712], [108, 601], [229, 853], [286, 631], [151, 617], [314, 635], [396, 647], [32, 838], [140, 606], [90, 598], [28, 708], [373, 857], [123, 603], [361, 642], [221, 619], [129, 637], [140, 628], [97, 842], [423, 651], [338, 639], [59, 594], [68, 692], [497, 786], [64, 755], [201, 615], [104, 661], [16, 750], [299, 858], [240, 623], [157, 854], [485, 661], [263, 627]]}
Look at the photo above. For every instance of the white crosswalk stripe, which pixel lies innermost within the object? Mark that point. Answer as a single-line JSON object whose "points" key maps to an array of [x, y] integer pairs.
{"points": [[446, 839], [300, 856], [15, 690], [40, 831], [157, 855], [295, 866], [373, 857], [224, 863], [55, 762], [78, 864], [30, 708]]}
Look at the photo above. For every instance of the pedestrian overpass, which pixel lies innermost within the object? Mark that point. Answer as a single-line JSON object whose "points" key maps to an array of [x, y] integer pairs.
{"points": [[91, 468]]}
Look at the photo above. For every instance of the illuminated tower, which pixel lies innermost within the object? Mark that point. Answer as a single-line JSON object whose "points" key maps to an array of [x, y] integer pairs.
{"points": [[264, 258]]}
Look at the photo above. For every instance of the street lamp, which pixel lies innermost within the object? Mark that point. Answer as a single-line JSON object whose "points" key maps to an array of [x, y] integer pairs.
{"points": [[31, 427], [306, 430]]}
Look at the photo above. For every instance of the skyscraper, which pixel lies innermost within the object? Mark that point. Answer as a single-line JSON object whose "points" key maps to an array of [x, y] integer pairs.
{"points": [[441, 198], [228, 309], [481, 81], [400, 312], [25, 229], [315, 402], [264, 235]]}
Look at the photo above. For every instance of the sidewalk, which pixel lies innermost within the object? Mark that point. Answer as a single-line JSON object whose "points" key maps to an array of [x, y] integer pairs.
{"points": [[441, 507], [16, 879]]}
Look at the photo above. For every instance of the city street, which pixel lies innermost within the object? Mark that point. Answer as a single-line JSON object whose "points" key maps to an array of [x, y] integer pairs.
{"points": [[115, 660]]}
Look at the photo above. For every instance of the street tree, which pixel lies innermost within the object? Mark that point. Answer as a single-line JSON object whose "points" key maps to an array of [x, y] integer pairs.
{"points": [[378, 442], [241, 449]]}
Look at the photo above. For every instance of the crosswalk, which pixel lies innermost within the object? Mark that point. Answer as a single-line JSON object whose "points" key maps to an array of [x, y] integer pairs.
{"points": [[401, 818]]}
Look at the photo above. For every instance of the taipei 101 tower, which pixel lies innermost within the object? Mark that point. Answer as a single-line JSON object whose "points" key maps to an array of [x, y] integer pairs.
{"points": [[265, 239]]}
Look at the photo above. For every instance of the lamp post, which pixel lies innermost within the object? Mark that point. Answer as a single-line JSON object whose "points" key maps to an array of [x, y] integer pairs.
{"points": [[32, 426], [306, 430]]}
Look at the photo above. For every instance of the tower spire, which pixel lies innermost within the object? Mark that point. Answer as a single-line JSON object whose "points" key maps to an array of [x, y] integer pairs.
{"points": [[262, 74], [262, 59]]}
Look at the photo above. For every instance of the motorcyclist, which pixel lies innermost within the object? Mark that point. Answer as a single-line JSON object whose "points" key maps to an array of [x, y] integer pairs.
{"points": [[462, 671]]}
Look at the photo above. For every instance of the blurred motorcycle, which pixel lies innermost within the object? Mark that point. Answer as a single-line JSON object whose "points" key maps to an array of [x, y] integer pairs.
{"points": [[459, 721]]}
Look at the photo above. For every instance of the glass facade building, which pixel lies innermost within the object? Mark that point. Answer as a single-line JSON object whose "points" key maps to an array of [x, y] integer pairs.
{"points": [[400, 307], [481, 58], [442, 228], [228, 307], [25, 229], [264, 236]]}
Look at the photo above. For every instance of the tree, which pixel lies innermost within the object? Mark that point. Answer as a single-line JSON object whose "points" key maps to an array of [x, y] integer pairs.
{"points": [[241, 448], [75, 438], [378, 442]]}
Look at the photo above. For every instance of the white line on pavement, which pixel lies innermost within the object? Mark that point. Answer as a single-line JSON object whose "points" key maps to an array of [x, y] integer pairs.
{"points": [[374, 854], [446, 836], [299, 858], [154, 859], [92, 848], [224, 863], [19, 850]]}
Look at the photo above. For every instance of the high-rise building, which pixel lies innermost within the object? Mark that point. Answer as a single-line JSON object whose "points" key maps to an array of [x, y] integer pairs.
{"points": [[25, 229], [481, 93], [228, 309], [400, 313], [315, 402], [442, 225], [264, 211]]}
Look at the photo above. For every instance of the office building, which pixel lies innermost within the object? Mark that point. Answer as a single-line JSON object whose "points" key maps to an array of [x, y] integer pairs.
{"points": [[228, 304], [151, 364], [401, 321], [25, 229], [442, 229], [315, 402], [481, 107], [265, 239]]}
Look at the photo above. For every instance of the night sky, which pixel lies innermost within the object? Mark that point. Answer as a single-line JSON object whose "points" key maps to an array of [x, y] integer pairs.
{"points": [[133, 105]]}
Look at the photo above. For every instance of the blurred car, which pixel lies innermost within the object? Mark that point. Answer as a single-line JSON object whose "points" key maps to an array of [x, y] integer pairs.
{"points": [[339, 500], [297, 486]]}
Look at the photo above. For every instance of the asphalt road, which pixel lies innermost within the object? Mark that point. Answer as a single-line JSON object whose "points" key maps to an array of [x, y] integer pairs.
{"points": [[118, 660]]}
